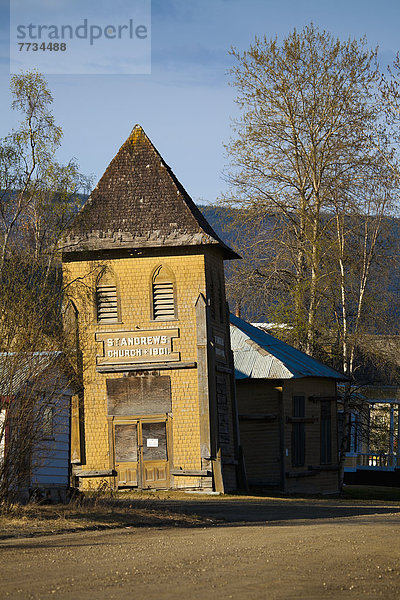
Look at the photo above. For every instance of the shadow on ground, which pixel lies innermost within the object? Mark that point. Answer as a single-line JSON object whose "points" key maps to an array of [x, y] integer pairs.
{"points": [[165, 510], [270, 510]]}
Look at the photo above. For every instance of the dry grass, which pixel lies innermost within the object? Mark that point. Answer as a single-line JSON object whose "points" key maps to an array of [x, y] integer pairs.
{"points": [[92, 512], [159, 509]]}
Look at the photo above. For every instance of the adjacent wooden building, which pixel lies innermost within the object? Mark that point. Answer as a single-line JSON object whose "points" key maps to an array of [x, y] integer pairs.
{"points": [[146, 277], [287, 408], [35, 399]]}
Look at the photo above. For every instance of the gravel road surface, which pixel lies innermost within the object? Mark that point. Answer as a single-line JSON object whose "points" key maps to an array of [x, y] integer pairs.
{"points": [[319, 552]]}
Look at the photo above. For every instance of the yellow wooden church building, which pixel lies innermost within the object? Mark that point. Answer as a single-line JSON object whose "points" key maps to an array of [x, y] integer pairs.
{"points": [[145, 276]]}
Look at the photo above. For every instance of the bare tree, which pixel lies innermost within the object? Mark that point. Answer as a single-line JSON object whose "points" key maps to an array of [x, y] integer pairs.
{"points": [[308, 112], [38, 199], [312, 172]]}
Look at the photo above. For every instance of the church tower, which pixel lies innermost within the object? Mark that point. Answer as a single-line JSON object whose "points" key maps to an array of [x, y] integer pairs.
{"points": [[145, 273]]}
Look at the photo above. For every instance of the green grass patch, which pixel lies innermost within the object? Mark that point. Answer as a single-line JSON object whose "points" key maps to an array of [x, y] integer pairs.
{"points": [[371, 492]]}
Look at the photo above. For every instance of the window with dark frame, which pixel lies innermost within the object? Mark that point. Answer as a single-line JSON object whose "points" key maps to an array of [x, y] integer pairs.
{"points": [[326, 432], [298, 433]]}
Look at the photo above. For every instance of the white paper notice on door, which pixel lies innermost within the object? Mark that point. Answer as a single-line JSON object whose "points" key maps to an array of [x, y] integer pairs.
{"points": [[152, 442]]}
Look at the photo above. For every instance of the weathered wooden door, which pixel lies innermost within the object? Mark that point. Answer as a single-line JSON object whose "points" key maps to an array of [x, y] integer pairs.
{"points": [[126, 453], [141, 454], [154, 455]]}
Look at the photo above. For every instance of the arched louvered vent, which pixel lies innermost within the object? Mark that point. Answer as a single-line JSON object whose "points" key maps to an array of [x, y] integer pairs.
{"points": [[107, 299], [163, 296]]}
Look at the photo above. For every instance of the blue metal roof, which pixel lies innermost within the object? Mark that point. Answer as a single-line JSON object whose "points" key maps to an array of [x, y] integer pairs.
{"points": [[259, 355]]}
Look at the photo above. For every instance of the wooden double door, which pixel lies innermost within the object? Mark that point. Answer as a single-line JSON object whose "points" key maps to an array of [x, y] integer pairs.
{"points": [[141, 453]]}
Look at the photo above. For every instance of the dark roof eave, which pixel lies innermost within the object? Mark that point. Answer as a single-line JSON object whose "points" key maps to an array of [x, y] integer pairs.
{"points": [[79, 245], [283, 379]]}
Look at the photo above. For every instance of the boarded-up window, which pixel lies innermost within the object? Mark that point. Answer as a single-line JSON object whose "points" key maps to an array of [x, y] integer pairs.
{"points": [[129, 396], [326, 432], [107, 299], [298, 432], [163, 294], [126, 443], [154, 441]]}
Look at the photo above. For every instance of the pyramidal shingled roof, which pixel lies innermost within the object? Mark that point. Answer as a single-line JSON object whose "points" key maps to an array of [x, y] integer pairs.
{"points": [[139, 203]]}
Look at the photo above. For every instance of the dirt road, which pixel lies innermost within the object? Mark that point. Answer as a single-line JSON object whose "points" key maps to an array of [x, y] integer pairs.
{"points": [[347, 553]]}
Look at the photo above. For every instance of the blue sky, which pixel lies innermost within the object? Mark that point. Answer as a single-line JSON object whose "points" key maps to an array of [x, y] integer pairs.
{"points": [[186, 103]]}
